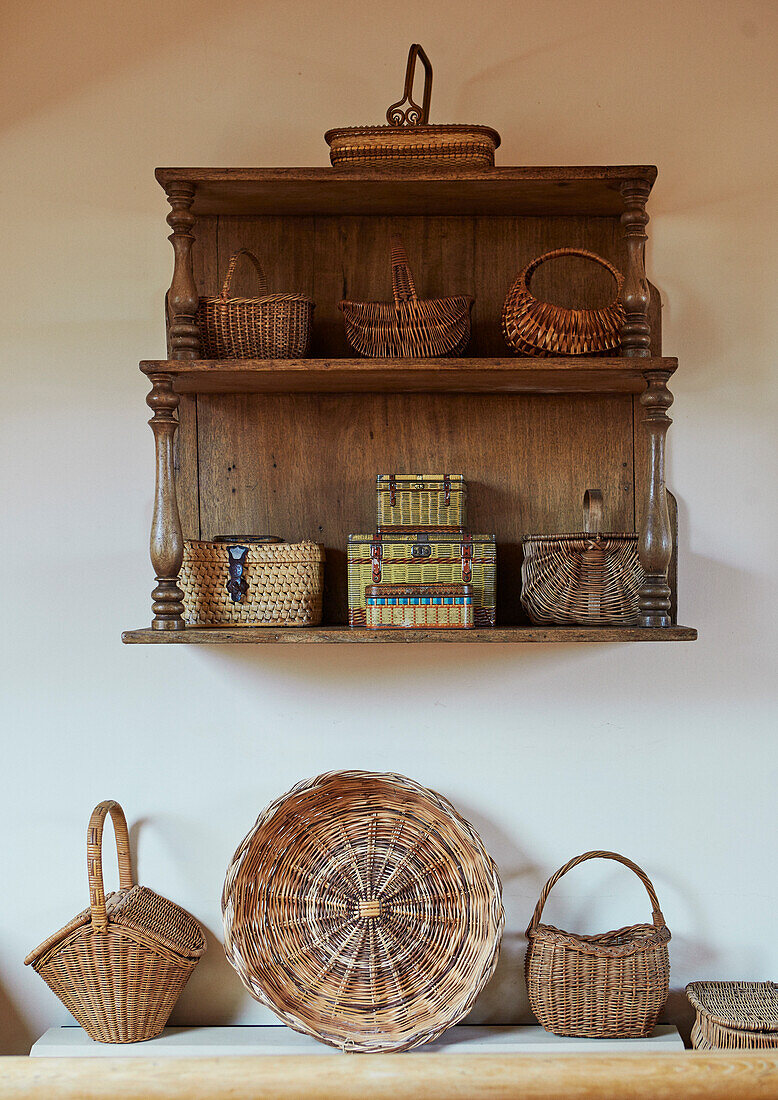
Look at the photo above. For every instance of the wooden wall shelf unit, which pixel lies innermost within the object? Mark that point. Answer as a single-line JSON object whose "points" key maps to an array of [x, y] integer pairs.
{"points": [[292, 447]]}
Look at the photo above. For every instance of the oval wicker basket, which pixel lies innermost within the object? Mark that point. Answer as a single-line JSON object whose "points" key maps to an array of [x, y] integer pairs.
{"points": [[364, 911], [609, 986], [539, 328], [588, 578], [408, 139], [734, 1015], [270, 326], [120, 966], [408, 327]]}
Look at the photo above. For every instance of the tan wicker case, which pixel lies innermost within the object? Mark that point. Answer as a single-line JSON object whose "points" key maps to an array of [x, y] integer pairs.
{"points": [[734, 1015], [252, 582], [364, 911], [421, 500], [608, 986], [120, 966], [416, 606]]}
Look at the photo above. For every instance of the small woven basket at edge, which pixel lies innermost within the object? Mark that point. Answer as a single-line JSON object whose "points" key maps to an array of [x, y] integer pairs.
{"points": [[734, 1015], [120, 966], [608, 986], [364, 911]]}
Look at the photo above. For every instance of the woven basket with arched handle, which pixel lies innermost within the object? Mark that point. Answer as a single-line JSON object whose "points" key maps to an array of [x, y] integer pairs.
{"points": [[588, 578], [364, 911], [608, 986], [532, 327], [120, 966], [408, 327], [269, 326]]}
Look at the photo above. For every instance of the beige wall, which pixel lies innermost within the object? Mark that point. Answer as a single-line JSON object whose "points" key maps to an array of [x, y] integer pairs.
{"points": [[665, 752]]}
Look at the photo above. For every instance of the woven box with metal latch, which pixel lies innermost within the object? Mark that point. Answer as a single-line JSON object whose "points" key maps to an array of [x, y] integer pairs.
{"points": [[422, 558], [421, 500]]}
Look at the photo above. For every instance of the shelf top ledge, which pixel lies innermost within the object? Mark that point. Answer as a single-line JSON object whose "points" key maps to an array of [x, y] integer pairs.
{"points": [[531, 190]]}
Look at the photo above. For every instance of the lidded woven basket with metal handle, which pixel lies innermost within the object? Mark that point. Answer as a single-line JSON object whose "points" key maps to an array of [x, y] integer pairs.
{"points": [[409, 139], [120, 966], [608, 986], [269, 326], [364, 911], [588, 578], [532, 327], [408, 327]]}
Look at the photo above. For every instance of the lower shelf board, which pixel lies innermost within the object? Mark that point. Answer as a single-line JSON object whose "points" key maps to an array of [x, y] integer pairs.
{"points": [[234, 635], [214, 1042]]}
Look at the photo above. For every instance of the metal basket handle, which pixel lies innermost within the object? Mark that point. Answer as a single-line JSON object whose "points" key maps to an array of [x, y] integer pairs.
{"points": [[403, 285], [592, 511], [262, 288], [532, 267], [413, 115], [94, 858], [659, 920]]}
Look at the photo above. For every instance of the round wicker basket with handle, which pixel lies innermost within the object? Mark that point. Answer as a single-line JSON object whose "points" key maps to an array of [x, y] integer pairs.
{"points": [[364, 911], [539, 328], [608, 986], [120, 966]]}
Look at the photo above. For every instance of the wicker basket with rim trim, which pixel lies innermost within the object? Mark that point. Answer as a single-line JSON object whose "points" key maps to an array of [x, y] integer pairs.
{"points": [[409, 327], [734, 1015], [269, 326], [587, 578], [364, 911], [539, 328], [120, 966], [252, 581], [609, 986], [409, 139]]}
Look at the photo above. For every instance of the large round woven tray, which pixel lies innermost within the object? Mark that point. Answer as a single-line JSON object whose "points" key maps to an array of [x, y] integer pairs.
{"points": [[364, 911]]}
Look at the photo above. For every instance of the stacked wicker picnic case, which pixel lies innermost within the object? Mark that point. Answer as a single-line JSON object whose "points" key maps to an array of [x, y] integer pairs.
{"points": [[421, 568]]}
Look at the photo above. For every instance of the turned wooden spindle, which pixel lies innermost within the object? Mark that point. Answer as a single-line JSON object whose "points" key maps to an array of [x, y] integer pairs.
{"points": [[182, 297], [655, 544], [635, 294], [167, 539]]}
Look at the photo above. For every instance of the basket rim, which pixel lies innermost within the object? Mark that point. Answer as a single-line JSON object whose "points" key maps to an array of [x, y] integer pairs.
{"points": [[696, 991], [584, 536], [411, 306], [428, 129], [465, 1003], [263, 299], [591, 944]]}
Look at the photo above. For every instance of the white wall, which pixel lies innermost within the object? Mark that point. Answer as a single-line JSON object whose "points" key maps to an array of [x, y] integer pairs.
{"points": [[665, 752]]}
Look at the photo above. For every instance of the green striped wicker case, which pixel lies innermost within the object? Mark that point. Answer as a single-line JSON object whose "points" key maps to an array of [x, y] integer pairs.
{"points": [[423, 557], [421, 500]]}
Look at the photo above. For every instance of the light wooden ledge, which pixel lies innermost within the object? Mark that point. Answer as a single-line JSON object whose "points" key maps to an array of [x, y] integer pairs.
{"points": [[689, 1076]]}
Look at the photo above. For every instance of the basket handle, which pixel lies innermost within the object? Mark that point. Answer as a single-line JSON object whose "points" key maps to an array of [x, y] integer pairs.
{"points": [[402, 278], [225, 292], [532, 267], [413, 115], [94, 858], [592, 511], [658, 919]]}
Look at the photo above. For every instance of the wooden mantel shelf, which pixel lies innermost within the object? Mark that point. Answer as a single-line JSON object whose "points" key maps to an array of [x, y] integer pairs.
{"points": [[258, 635], [508, 375]]}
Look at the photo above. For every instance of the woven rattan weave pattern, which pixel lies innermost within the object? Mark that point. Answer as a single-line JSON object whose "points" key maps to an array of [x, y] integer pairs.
{"points": [[408, 326], [540, 328], [270, 326], [363, 910], [120, 966], [608, 986], [734, 1015]]}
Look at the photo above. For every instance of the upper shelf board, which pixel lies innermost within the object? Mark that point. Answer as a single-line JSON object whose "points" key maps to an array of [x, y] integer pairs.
{"points": [[330, 191], [562, 375]]}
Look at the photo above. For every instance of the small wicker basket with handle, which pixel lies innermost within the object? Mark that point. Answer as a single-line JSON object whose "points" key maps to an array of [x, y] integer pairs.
{"points": [[364, 911], [608, 986], [269, 326], [588, 578], [539, 328], [408, 327], [120, 966]]}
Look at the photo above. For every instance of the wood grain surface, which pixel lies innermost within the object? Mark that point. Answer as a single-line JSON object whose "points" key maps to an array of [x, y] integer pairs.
{"points": [[231, 635]]}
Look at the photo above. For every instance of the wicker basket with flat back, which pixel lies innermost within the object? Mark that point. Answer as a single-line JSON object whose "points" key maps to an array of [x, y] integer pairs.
{"points": [[734, 1015], [608, 986], [408, 327], [120, 966], [364, 911]]}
